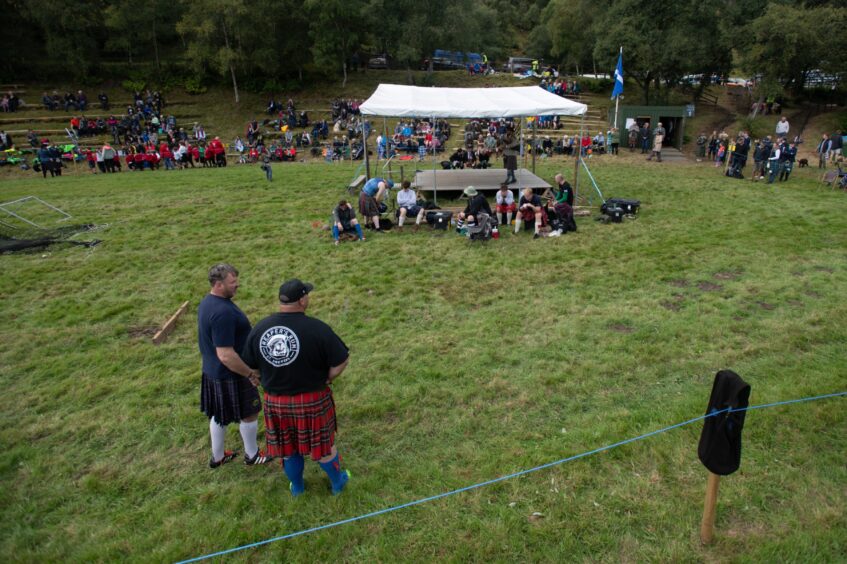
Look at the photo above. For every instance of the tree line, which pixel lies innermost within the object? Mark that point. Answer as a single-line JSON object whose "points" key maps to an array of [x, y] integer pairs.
{"points": [[273, 41]]}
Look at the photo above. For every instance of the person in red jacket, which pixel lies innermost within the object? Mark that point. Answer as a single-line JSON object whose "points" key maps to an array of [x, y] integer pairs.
{"points": [[167, 155], [194, 155], [216, 148], [92, 160]]}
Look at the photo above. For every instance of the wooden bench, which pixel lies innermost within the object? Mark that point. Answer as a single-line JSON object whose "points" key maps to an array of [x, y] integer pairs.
{"points": [[355, 184]]}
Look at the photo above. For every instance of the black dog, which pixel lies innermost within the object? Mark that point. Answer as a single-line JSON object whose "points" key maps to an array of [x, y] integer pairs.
{"points": [[803, 163]]}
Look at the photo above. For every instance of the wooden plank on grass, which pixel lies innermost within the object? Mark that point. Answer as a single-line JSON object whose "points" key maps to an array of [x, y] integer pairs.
{"points": [[169, 325]]}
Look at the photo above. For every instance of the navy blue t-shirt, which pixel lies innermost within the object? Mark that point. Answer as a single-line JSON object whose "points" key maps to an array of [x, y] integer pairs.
{"points": [[220, 324]]}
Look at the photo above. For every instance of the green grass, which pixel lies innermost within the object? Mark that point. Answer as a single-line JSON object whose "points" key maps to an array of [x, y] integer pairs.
{"points": [[468, 362]]}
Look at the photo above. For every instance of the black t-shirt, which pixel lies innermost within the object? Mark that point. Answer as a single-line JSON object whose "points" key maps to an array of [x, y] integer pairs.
{"points": [[293, 352], [535, 200], [477, 204], [220, 323]]}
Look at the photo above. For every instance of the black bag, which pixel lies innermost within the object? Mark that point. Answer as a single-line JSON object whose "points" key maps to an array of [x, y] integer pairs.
{"points": [[439, 219], [720, 441], [628, 206], [615, 213]]}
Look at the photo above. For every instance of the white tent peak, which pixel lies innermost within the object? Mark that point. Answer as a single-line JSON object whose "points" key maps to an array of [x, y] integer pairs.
{"points": [[396, 100]]}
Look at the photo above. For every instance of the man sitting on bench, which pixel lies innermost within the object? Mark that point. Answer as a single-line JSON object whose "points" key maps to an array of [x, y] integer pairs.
{"points": [[407, 204], [530, 209], [476, 204], [344, 221], [372, 194]]}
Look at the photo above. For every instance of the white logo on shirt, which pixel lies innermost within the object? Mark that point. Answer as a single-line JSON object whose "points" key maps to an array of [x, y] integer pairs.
{"points": [[279, 346]]}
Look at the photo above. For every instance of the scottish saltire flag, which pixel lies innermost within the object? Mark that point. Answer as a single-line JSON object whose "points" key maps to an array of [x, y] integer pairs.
{"points": [[618, 89]]}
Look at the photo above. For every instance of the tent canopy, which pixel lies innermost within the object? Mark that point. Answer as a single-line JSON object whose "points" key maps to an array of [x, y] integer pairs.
{"points": [[395, 100]]}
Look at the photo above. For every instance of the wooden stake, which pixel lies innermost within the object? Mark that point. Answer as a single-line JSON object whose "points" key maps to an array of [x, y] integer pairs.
{"points": [[707, 526], [169, 325]]}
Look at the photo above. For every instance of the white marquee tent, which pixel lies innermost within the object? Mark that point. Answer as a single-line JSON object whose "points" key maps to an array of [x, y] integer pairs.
{"points": [[395, 100]]}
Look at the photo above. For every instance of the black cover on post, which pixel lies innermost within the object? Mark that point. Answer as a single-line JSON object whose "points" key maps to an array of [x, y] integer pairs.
{"points": [[720, 441]]}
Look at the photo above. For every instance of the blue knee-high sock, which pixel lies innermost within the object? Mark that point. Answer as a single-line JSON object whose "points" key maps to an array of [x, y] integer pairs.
{"points": [[359, 231], [293, 466], [337, 477], [335, 232]]}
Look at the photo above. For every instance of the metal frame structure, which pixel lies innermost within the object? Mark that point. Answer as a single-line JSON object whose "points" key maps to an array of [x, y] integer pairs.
{"points": [[25, 220]]}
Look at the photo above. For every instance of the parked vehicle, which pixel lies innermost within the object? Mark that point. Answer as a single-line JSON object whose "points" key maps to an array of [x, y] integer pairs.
{"points": [[378, 62], [520, 64]]}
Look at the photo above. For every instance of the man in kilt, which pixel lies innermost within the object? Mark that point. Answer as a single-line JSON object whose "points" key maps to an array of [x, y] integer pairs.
{"points": [[228, 392], [298, 357]]}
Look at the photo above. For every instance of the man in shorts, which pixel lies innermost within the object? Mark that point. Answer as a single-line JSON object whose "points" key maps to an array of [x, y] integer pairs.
{"points": [[298, 358], [372, 194], [228, 392], [407, 205], [505, 204]]}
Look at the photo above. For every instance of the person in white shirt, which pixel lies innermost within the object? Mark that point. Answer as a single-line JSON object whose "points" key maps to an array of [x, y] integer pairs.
{"points": [[505, 204], [782, 127], [407, 202], [773, 161]]}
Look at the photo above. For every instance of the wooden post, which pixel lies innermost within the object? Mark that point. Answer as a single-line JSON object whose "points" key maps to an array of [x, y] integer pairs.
{"points": [[169, 325], [707, 526]]}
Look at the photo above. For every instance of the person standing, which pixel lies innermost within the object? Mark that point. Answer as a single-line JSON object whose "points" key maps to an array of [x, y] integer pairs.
{"points": [[786, 164], [228, 390], [658, 138], [644, 136], [823, 150], [782, 127], [298, 358], [511, 146], [836, 144]]}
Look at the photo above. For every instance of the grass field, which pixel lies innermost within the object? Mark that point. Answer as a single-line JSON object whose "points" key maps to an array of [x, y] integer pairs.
{"points": [[468, 362]]}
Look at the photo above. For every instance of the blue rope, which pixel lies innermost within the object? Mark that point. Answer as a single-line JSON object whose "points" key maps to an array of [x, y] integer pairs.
{"points": [[509, 476]]}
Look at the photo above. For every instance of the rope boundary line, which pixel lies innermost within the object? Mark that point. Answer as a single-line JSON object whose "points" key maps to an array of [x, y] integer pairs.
{"points": [[508, 476]]}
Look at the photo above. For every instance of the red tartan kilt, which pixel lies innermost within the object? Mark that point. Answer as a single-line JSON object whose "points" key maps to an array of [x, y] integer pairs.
{"points": [[506, 208], [300, 424], [529, 215]]}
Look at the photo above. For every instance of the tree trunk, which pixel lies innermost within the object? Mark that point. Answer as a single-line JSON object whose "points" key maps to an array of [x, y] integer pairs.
{"points": [[344, 70], [409, 73], [300, 74], [129, 52], [234, 83], [231, 67], [156, 46]]}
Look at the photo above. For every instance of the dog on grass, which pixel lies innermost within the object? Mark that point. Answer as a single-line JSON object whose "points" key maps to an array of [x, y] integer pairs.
{"points": [[802, 163]]}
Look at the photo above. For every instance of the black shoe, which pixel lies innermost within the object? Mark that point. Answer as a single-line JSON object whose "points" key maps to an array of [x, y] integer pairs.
{"points": [[536, 236]]}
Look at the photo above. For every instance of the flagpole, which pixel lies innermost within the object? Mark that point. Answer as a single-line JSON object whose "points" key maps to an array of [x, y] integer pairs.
{"points": [[618, 97]]}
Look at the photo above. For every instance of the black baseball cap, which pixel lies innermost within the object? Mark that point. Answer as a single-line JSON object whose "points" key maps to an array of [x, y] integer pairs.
{"points": [[292, 290]]}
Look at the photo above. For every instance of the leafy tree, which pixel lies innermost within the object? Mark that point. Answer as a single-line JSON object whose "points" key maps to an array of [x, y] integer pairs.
{"points": [[213, 28], [72, 40], [336, 31], [134, 26], [787, 42], [663, 40]]}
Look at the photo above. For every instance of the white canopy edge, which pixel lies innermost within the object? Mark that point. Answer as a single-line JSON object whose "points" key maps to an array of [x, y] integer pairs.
{"points": [[396, 100]]}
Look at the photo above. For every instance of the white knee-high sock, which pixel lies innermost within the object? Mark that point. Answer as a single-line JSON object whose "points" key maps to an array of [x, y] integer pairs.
{"points": [[537, 225], [248, 435], [401, 220], [517, 226], [218, 434], [508, 218]]}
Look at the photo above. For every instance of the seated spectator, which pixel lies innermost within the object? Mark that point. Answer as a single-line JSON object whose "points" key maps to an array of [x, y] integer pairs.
{"points": [[407, 203], [530, 210], [563, 202], [459, 158], [505, 204], [48, 102], [81, 100], [370, 198], [104, 101], [344, 221], [476, 204]]}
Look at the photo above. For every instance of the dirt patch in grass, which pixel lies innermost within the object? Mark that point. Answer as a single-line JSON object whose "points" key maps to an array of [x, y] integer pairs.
{"points": [[728, 275], [795, 303], [621, 328], [709, 287], [679, 283], [821, 268], [673, 304], [142, 331], [766, 305], [812, 294]]}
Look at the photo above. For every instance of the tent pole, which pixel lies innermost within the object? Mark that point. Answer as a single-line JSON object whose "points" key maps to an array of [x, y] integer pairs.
{"points": [[522, 153], [534, 124], [365, 148], [434, 171], [578, 147]]}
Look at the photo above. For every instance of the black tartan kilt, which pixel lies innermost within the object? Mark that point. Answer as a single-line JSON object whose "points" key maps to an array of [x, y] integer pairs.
{"points": [[229, 400]]}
